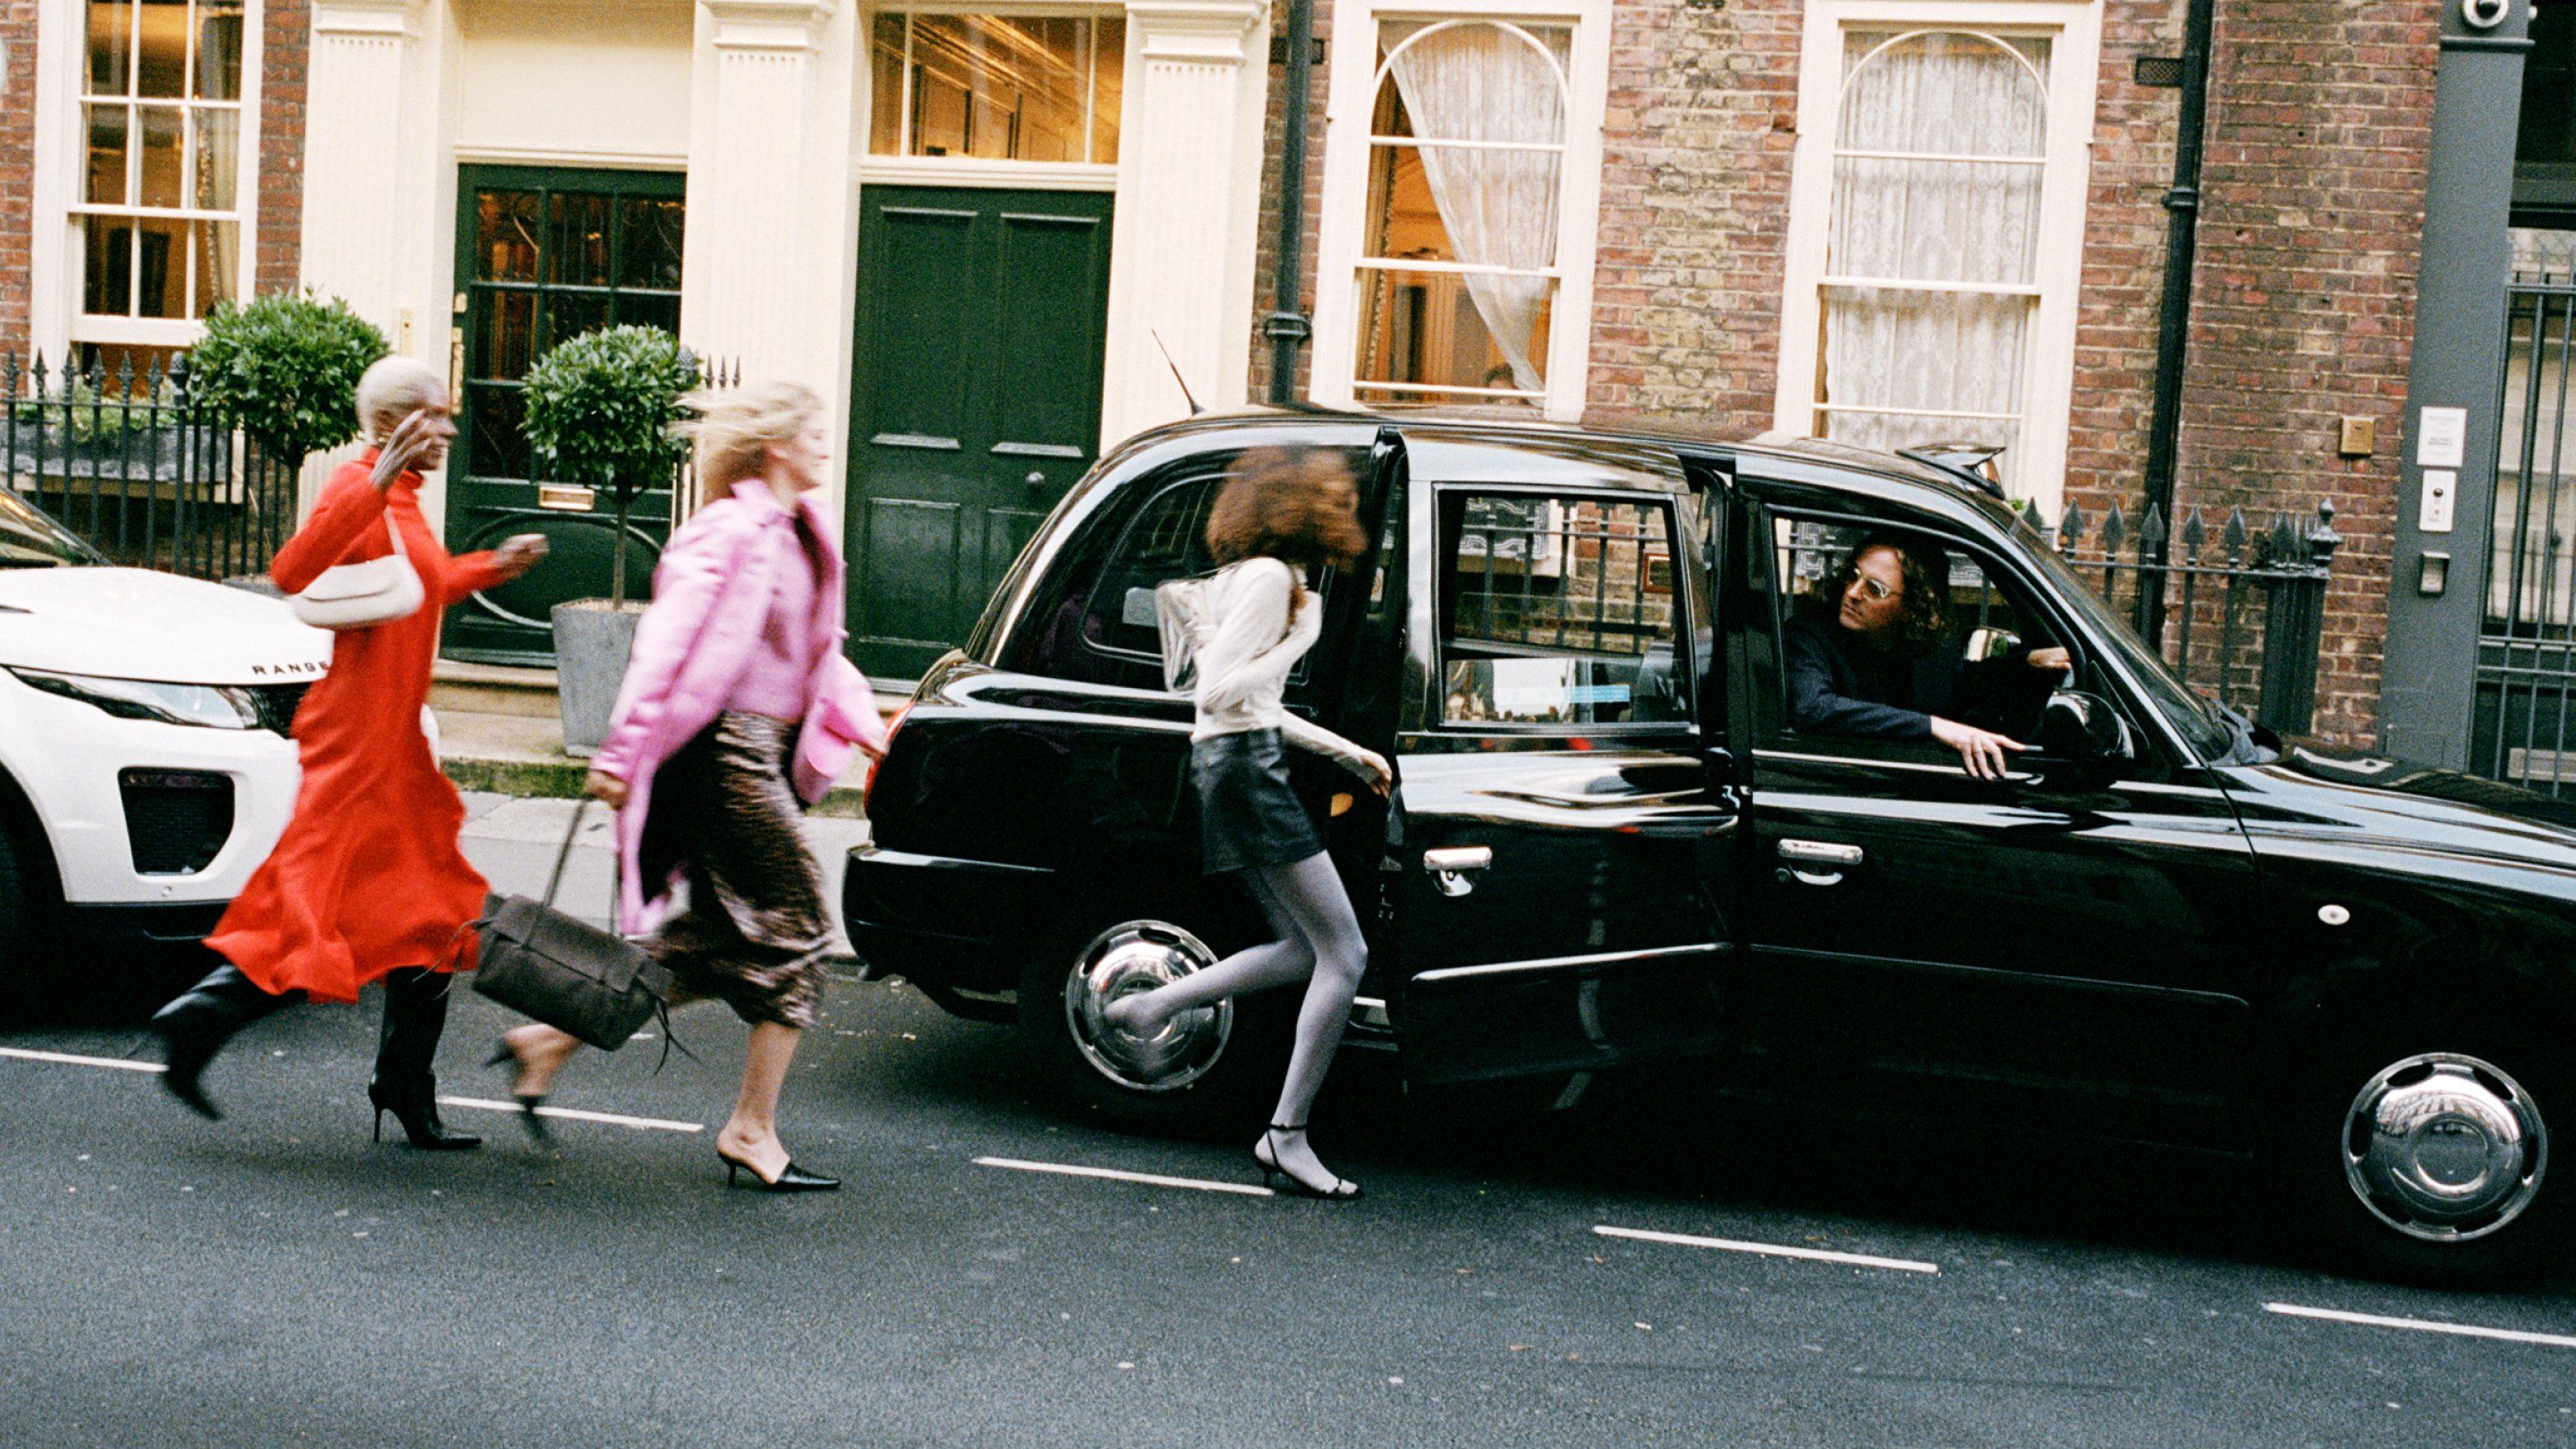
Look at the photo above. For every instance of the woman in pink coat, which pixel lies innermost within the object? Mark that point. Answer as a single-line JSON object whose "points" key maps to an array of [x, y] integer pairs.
{"points": [[737, 709]]}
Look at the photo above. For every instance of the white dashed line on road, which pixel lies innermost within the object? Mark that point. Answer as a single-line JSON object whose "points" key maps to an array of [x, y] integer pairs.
{"points": [[575, 1114], [2420, 1325], [1114, 1175], [119, 1064], [1769, 1250]]}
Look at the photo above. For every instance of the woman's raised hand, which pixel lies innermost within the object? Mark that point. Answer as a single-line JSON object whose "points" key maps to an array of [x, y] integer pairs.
{"points": [[1372, 767], [517, 554], [406, 442], [606, 789]]}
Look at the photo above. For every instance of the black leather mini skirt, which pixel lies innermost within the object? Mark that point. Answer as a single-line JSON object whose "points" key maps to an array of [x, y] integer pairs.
{"points": [[1248, 817]]}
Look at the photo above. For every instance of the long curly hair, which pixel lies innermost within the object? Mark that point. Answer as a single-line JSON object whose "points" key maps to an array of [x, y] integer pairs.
{"points": [[1299, 505], [1923, 614]]}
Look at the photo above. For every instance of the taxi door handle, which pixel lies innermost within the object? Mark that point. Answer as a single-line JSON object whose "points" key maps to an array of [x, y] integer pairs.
{"points": [[1450, 865], [1823, 861]]}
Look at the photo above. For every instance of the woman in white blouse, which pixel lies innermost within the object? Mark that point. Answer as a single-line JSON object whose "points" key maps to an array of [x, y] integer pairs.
{"points": [[1281, 515]]}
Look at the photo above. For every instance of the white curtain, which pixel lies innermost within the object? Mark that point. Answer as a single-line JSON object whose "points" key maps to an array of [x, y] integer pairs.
{"points": [[1481, 81], [1899, 219]]}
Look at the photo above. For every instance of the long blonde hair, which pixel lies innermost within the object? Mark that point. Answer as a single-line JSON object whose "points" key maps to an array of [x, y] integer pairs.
{"points": [[734, 428]]}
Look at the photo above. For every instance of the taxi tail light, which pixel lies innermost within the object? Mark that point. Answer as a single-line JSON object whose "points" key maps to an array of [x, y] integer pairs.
{"points": [[868, 792]]}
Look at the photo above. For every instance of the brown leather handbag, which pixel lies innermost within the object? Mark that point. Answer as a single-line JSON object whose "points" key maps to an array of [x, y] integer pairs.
{"points": [[566, 972]]}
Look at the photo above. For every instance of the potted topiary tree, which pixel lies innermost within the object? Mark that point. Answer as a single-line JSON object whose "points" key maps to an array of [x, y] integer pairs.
{"points": [[599, 413], [284, 369]]}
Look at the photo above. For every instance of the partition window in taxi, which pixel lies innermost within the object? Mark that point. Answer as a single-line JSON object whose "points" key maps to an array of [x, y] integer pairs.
{"points": [[1560, 610]]}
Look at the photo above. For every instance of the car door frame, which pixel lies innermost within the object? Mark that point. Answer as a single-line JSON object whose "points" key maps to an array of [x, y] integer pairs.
{"points": [[1508, 1015]]}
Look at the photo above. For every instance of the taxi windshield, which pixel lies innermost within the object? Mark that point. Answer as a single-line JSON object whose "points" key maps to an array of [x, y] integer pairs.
{"points": [[2198, 719]]}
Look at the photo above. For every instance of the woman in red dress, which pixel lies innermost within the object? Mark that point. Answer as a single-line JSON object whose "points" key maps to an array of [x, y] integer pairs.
{"points": [[367, 880]]}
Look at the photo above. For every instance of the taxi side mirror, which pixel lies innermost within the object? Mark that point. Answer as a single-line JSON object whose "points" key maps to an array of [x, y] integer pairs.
{"points": [[2086, 738], [1990, 643]]}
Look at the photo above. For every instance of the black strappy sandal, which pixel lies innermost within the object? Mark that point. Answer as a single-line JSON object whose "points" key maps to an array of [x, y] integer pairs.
{"points": [[1280, 1179]]}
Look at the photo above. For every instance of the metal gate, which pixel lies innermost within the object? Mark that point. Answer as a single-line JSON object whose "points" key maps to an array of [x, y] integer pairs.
{"points": [[2526, 671]]}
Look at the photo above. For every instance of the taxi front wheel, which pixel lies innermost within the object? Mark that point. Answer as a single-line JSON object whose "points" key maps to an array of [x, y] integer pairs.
{"points": [[1205, 1070], [2429, 1156]]}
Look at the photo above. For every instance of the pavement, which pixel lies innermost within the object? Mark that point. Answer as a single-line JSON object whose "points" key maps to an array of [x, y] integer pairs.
{"points": [[1654, 1267]]}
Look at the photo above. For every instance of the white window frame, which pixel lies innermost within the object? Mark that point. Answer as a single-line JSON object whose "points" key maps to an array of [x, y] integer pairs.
{"points": [[61, 179], [2073, 31], [972, 170], [1349, 108]]}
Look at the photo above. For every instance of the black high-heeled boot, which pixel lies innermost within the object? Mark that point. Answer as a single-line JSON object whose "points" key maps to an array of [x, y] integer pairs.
{"points": [[406, 1044], [195, 1026]]}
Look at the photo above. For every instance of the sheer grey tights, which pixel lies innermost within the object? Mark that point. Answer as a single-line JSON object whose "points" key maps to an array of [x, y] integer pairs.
{"points": [[1319, 943]]}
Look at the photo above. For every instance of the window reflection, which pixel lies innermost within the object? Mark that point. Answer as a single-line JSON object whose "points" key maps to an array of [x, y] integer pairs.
{"points": [[997, 88]]}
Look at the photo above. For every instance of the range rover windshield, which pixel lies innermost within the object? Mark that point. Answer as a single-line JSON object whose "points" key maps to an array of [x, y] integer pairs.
{"points": [[29, 539]]}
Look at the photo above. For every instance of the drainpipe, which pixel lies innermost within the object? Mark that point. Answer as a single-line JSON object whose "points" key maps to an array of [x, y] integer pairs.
{"points": [[2173, 322], [1286, 326]]}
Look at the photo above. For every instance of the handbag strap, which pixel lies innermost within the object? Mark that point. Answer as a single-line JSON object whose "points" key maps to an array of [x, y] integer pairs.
{"points": [[565, 854]]}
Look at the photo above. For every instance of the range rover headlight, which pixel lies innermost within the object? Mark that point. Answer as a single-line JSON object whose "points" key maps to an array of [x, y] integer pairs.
{"points": [[217, 706]]}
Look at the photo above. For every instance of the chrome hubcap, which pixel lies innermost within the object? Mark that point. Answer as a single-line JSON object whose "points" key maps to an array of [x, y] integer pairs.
{"points": [[1136, 957], [2444, 1147]]}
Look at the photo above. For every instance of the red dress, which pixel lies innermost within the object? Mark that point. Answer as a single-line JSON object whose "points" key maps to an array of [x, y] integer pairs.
{"points": [[368, 876]]}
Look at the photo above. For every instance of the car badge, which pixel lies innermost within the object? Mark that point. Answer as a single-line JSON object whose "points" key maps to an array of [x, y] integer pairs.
{"points": [[2333, 915]]}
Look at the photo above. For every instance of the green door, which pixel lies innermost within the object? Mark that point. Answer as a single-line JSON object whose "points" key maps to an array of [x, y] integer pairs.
{"points": [[975, 399], [543, 255]]}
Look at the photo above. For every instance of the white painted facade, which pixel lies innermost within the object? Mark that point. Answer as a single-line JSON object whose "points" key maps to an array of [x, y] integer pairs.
{"points": [[765, 105]]}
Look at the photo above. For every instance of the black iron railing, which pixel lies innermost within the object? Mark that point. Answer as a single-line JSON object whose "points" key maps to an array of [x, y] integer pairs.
{"points": [[133, 464]]}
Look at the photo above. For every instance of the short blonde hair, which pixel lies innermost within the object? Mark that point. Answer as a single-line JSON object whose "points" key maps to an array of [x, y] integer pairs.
{"points": [[734, 428], [392, 387]]}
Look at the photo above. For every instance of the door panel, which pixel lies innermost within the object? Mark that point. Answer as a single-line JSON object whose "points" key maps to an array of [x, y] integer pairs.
{"points": [[544, 254], [975, 402]]}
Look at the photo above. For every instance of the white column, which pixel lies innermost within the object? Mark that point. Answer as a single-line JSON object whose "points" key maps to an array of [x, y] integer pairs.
{"points": [[1188, 205], [767, 272], [371, 111]]}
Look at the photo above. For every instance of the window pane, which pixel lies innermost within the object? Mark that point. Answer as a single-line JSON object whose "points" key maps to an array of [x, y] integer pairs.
{"points": [[218, 262], [107, 138], [111, 45], [568, 315], [885, 86], [1939, 95], [163, 67], [1108, 81], [1430, 329], [1932, 352], [998, 88], [218, 158], [505, 236], [500, 446], [649, 235], [107, 278], [1167, 541], [161, 267], [219, 50], [1558, 611], [577, 240], [509, 335], [158, 176]]}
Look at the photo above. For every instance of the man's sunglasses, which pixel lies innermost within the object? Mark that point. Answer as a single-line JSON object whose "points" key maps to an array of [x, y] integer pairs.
{"points": [[1850, 574]]}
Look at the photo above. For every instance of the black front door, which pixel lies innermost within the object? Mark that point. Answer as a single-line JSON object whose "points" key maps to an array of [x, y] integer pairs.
{"points": [[975, 399], [543, 255], [1562, 821], [2023, 946]]}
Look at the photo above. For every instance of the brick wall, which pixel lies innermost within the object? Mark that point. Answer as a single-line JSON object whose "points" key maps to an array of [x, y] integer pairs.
{"points": [[2303, 307], [285, 26], [17, 166]]}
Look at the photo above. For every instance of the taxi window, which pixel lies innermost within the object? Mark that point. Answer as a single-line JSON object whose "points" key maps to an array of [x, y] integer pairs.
{"points": [[1559, 610], [1953, 641]]}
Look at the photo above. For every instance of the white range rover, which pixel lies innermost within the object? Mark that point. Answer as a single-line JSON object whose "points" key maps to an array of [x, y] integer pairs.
{"points": [[145, 768]]}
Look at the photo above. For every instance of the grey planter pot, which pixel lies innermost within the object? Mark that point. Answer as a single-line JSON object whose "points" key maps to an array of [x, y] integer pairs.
{"points": [[592, 640]]}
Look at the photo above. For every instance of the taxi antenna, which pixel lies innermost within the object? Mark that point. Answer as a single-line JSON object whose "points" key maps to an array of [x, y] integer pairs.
{"points": [[1176, 372]]}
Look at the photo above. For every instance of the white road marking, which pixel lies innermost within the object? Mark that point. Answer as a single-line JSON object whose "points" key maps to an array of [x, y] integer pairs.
{"points": [[1114, 1175], [66, 1058], [1769, 1250], [2464, 1330], [575, 1114]]}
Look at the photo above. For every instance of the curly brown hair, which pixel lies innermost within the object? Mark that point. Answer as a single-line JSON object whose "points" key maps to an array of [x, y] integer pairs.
{"points": [[1299, 505], [1923, 618]]}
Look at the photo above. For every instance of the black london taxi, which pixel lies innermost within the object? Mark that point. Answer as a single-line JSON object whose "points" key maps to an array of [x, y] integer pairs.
{"points": [[1608, 844]]}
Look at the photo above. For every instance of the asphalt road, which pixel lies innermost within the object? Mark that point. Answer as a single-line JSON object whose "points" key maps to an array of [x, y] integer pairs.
{"points": [[279, 1279]]}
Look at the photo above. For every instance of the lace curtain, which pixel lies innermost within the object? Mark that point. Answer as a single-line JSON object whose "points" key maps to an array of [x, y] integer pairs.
{"points": [[1906, 209], [1483, 81]]}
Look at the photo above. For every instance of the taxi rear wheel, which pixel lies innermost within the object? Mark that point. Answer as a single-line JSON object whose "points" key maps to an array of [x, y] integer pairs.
{"points": [[2427, 1156], [1208, 1070]]}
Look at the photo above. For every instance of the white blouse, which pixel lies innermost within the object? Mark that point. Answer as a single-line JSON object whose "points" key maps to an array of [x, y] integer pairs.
{"points": [[1243, 664]]}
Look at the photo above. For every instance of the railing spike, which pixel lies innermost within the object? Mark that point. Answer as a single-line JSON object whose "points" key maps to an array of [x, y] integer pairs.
{"points": [[2232, 537], [2194, 534], [2115, 531], [2151, 529], [2070, 528], [124, 376]]}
